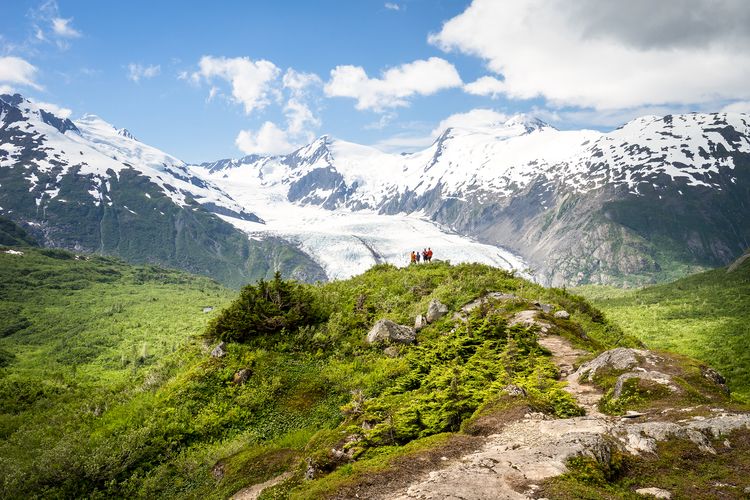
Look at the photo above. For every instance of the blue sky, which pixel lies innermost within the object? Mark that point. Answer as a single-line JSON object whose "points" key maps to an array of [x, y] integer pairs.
{"points": [[212, 80]]}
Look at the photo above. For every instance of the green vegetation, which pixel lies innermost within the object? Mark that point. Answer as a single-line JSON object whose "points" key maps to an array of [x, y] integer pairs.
{"points": [[13, 234], [705, 316], [676, 467], [107, 387]]}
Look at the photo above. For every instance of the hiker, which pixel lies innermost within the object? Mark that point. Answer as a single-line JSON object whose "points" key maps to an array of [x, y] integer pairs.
{"points": [[424, 255], [413, 257], [418, 256], [429, 254]]}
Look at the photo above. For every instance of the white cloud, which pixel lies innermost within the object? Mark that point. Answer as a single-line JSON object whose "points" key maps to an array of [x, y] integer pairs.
{"points": [[138, 72], [251, 81], [392, 6], [486, 86], [17, 71], [61, 27], [737, 107], [300, 118], [298, 81], [475, 118], [421, 77], [410, 141], [403, 143], [268, 140], [608, 55], [56, 110], [50, 27]]}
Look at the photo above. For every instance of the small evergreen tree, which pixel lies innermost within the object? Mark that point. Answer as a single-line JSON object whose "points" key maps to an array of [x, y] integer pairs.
{"points": [[267, 308]]}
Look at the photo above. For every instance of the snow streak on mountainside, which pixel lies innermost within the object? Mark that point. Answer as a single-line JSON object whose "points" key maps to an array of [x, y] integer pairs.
{"points": [[92, 147], [565, 200], [504, 159]]}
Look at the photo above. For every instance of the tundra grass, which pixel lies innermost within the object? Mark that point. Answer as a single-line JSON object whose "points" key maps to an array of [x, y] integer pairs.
{"points": [[705, 316]]}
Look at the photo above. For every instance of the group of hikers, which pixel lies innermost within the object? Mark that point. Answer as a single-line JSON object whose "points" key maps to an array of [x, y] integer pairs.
{"points": [[423, 256]]}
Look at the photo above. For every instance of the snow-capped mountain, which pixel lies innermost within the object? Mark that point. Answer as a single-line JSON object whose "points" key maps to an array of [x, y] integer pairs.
{"points": [[654, 198], [88, 186]]}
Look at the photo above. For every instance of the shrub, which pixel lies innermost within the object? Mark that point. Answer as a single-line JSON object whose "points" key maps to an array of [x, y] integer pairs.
{"points": [[268, 308]]}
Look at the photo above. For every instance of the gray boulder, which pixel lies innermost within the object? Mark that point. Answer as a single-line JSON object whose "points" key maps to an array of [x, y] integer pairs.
{"points": [[241, 376], [220, 350], [420, 322], [621, 358], [386, 330], [654, 492], [546, 308], [562, 315], [436, 310]]}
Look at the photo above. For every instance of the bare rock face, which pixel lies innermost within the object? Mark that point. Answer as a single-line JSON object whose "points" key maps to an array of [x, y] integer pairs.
{"points": [[220, 350], [436, 310], [386, 330]]}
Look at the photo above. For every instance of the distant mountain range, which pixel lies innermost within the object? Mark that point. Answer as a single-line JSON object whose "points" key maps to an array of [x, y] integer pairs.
{"points": [[90, 187], [655, 199]]}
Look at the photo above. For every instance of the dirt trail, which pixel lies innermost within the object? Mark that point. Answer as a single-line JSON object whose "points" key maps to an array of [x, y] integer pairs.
{"points": [[526, 452], [564, 355], [254, 491]]}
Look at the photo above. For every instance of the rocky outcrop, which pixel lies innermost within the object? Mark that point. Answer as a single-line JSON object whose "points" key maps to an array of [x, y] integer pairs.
{"points": [[220, 350], [562, 315], [419, 322], [386, 330], [435, 311], [621, 358]]}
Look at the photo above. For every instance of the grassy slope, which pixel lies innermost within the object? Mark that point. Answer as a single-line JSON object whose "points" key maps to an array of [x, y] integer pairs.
{"points": [[107, 391], [706, 316]]}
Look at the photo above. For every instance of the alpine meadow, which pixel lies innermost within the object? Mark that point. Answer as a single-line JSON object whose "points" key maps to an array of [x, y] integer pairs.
{"points": [[479, 249]]}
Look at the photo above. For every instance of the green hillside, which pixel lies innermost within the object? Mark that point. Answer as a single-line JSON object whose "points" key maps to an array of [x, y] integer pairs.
{"points": [[705, 316], [107, 387]]}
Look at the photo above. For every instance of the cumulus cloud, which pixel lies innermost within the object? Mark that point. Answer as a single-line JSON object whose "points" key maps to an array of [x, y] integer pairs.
{"points": [[392, 6], [411, 141], [251, 81], [396, 85], [56, 110], [475, 118], [300, 118], [61, 27], [269, 139], [608, 55], [138, 72], [486, 86], [737, 107], [15, 71]]}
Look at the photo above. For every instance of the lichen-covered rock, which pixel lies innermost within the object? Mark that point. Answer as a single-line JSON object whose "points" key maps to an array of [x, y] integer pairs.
{"points": [[220, 350], [241, 376], [546, 308], [435, 310], [715, 377], [386, 330], [653, 376], [654, 492], [419, 322], [562, 315], [621, 358]]}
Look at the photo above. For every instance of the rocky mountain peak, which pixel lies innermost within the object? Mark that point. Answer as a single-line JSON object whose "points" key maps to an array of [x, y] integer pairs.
{"points": [[527, 122]]}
